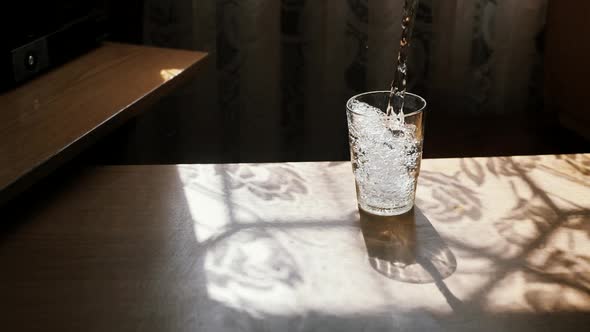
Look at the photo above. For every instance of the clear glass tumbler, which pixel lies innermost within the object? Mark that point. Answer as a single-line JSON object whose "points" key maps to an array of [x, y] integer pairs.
{"points": [[386, 151]]}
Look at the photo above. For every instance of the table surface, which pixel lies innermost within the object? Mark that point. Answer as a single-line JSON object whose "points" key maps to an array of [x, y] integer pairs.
{"points": [[496, 244], [48, 120]]}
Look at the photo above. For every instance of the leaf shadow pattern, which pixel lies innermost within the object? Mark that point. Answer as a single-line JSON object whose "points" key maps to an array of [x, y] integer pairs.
{"points": [[578, 162], [525, 222], [252, 259], [575, 168], [473, 169], [558, 273], [251, 256], [559, 282], [273, 181], [546, 236], [534, 216], [289, 275], [567, 267], [505, 166], [449, 199]]}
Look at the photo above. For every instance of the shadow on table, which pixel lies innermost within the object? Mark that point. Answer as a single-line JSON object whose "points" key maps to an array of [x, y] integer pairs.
{"points": [[406, 247]]}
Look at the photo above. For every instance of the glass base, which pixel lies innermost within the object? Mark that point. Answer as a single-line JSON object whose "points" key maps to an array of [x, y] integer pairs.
{"points": [[385, 211]]}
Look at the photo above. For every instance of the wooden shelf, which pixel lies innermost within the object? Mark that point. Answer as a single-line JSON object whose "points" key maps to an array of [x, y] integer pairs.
{"points": [[48, 120]]}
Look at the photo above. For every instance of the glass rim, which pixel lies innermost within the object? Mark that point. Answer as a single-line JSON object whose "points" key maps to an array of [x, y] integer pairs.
{"points": [[420, 110]]}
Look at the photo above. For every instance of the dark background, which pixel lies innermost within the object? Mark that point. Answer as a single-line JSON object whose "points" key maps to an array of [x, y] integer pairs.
{"points": [[280, 72]]}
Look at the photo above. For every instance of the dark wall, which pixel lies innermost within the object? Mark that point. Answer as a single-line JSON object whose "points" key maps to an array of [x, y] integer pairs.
{"points": [[280, 72]]}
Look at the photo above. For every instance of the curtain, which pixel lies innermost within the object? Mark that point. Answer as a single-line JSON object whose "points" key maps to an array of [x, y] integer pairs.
{"points": [[283, 69], [487, 54]]}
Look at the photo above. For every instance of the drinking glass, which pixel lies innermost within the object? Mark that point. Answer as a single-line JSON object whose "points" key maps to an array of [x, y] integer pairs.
{"points": [[386, 151]]}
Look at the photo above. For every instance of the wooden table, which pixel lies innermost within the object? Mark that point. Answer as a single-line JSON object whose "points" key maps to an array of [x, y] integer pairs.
{"points": [[496, 244], [48, 120]]}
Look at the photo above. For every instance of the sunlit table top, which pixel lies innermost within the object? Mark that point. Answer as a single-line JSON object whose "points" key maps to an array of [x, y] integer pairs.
{"points": [[495, 244]]}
